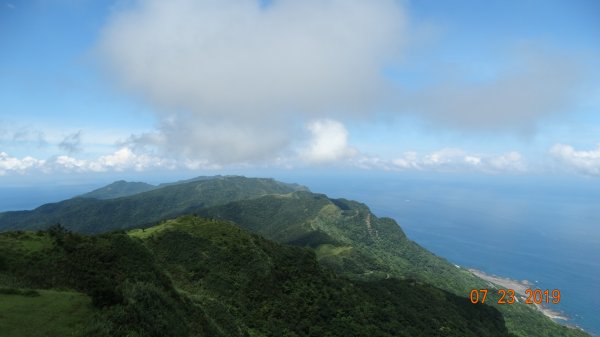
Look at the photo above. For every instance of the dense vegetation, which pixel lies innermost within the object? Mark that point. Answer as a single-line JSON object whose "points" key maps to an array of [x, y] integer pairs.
{"points": [[119, 189], [125, 288], [217, 272], [346, 236], [198, 277], [349, 239]]}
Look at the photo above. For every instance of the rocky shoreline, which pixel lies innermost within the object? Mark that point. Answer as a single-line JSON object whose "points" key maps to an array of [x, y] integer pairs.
{"points": [[519, 287]]}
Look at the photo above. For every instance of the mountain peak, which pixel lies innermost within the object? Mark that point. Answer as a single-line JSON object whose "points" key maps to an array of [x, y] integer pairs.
{"points": [[118, 189]]}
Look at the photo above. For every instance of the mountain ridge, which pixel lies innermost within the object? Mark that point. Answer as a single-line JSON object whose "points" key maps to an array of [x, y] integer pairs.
{"points": [[87, 215], [117, 189]]}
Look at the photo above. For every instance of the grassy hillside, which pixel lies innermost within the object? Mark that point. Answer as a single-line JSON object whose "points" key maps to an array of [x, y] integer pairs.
{"points": [[125, 292], [87, 215], [43, 313], [198, 277]]}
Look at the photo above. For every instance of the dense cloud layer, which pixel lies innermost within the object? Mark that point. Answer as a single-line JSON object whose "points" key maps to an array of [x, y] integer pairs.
{"points": [[229, 78], [238, 81]]}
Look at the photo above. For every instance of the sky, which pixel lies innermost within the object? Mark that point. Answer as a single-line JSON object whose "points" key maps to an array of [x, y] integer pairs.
{"points": [[113, 88]]}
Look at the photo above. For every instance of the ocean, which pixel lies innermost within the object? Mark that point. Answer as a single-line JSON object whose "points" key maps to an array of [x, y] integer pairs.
{"points": [[16, 198], [543, 230]]}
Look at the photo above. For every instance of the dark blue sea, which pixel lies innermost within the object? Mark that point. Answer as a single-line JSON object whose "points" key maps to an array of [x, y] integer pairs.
{"points": [[542, 229]]}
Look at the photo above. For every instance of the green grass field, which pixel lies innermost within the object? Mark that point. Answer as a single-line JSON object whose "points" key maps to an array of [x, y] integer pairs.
{"points": [[327, 250], [144, 233], [52, 313], [25, 241]]}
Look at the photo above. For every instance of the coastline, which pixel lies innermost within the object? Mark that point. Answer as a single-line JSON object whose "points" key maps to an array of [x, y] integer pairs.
{"points": [[519, 287]]}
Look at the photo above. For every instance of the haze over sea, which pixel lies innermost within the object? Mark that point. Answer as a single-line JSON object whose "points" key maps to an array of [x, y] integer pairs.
{"points": [[543, 230]]}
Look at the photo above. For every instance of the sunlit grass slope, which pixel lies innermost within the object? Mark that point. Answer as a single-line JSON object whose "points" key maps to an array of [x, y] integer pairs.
{"points": [[43, 313]]}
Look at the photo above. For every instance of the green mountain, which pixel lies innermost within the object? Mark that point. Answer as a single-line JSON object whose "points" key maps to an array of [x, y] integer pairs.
{"points": [[119, 189], [198, 277], [355, 243], [87, 215], [344, 235]]}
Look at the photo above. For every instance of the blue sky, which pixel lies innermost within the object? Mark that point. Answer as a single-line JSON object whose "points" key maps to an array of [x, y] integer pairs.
{"points": [[90, 88]]}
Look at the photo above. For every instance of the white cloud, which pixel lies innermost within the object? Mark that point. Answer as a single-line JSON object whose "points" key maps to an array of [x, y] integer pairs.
{"points": [[586, 162], [370, 162], [408, 161], [449, 160], [70, 163], [511, 161], [230, 79], [472, 160], [329, 145], [329, 142], [123, 159], [19, 165], [446, 157]]}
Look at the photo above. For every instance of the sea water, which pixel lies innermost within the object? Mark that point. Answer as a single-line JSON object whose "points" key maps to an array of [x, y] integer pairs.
{"points": [[16, 198], [543, 230]]}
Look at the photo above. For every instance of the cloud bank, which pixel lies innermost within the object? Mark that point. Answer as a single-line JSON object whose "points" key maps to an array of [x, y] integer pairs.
{"points": [[124, 159], [327, 146], [586, 162], [230, 79], [20, 165], [233, 81], [449, 160]]}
